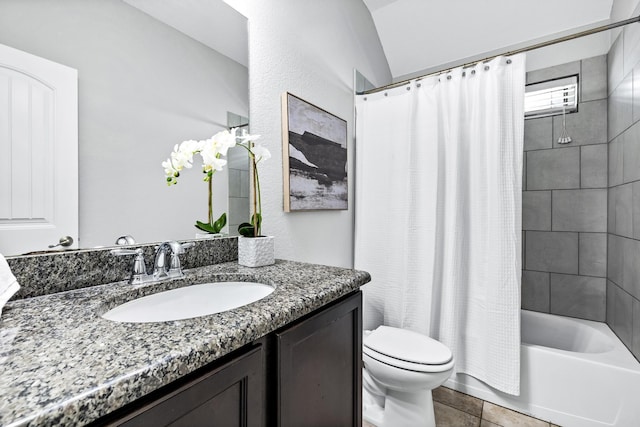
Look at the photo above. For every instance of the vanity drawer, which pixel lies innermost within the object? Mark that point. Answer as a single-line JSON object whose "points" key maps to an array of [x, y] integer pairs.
{"points": [[228, 395]]}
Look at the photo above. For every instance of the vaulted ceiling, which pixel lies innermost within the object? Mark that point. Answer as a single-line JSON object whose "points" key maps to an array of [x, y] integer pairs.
{"points": [[417, 36], [424, 35], [211, 22]]}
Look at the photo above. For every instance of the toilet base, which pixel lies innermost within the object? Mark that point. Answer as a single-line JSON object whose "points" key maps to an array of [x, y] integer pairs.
{"points": [[414, 409], [372, 408]]}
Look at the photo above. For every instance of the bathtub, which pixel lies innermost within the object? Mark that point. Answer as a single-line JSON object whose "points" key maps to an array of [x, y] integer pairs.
{"points": [[573, 373]]}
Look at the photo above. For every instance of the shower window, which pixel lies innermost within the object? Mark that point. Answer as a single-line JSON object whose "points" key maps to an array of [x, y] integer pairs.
{"points": [[551, 97]]}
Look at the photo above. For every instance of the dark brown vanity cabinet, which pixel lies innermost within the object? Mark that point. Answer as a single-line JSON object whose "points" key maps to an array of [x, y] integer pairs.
{"points": [[307, 373], [228, 395], [319, 368]]}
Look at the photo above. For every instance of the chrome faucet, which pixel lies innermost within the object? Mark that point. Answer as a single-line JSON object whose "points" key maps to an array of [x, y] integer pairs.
{"points": [[162, 270], [160, 265]]}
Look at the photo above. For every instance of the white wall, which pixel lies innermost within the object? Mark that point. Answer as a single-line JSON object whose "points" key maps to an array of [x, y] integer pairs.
{"points": [[569, 51], [143, 87], [308, 48], [453, 30]]}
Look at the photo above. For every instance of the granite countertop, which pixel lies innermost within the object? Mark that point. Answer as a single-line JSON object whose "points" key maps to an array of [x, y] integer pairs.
{"points": [[61, 363]]}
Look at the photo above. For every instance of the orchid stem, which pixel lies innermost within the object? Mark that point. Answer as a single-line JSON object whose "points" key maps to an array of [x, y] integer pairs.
{"points": [[257, 203], [210, 202]]}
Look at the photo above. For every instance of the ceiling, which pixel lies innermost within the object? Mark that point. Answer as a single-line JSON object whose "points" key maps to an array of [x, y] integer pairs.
{"points": [[211, 22], [419, 36]]}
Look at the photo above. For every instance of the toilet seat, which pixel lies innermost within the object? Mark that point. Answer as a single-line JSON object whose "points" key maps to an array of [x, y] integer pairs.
{"points": [[407, 350]]}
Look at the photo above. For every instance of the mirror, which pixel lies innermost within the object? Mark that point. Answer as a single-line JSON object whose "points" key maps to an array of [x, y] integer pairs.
{"points": [[143, 86]]}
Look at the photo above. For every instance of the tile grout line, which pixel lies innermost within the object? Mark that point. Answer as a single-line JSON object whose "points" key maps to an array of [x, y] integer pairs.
{"points": [[481, 416], [566, 148], [565, 274], [580, 166], [549, 282]]}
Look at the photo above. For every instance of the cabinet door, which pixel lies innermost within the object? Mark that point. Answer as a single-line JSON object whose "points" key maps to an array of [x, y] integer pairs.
{"points": [[230, 395], [319, 368]]}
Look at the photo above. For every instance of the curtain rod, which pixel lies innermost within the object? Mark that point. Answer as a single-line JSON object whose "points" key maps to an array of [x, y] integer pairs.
{"points": [[511, 52]]}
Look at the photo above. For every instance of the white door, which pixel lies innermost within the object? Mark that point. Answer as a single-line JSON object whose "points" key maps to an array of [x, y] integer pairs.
{"points": [[38, 152]]}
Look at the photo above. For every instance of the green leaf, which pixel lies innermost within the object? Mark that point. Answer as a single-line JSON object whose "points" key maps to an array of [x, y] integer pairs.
{"points": [[257, 223], [220, 223], [215, 228], [245, 229], [206, 227]]}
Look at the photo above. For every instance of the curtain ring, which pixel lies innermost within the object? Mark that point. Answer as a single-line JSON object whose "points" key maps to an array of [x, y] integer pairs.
{"points": [[473, 72], [365, 98], [448, 77], [418, 84], [386, 94], [464, 73], [408, 87], [508, 61], [486, 68]]}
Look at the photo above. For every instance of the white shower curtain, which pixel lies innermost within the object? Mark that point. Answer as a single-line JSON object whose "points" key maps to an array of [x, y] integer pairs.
{"points": [[438, 213]]}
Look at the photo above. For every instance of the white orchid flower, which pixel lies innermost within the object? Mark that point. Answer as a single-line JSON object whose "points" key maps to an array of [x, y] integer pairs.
{"points": [[170, 172], [210, 154], [212, 164], [212, 150], [182, 155], [246, 138], [181, 161], [220, 142], [189, 147], [227, 139], [180, 158], [261, 153]]}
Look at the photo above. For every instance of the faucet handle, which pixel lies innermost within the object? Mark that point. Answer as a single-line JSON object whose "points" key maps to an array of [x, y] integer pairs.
{"points": [[139, 269], [125, 240], [179, 248], [175, 269]]}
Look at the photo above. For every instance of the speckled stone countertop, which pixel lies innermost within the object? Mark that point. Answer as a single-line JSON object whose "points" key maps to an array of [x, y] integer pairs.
{"points": [[61, 363]]}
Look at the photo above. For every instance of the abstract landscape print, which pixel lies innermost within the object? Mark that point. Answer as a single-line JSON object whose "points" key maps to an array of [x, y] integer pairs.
{"points": [[314, 157]]}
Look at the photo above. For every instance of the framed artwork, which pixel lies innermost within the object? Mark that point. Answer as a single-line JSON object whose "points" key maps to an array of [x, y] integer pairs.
{"points": [[314, 157]]}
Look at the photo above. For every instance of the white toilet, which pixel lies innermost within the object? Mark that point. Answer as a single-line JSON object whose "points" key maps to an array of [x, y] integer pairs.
{"points": [[401, 368]]}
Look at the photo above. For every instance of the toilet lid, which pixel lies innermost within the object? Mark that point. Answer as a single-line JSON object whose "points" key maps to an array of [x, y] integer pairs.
{"points": [[408, 346]]}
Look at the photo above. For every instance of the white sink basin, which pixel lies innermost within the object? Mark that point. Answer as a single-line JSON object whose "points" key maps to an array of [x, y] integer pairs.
{"points": [[189, 302]]}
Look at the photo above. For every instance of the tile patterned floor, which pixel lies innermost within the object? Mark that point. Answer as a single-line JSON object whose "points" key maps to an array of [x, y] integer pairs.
{"points": [[455, 409]]}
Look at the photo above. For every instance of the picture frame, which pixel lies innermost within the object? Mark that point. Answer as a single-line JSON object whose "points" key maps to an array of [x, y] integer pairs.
{"points": [[314, 157]]}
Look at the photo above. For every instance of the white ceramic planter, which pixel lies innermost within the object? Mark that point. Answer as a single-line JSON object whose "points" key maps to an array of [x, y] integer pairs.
{"points": [[256, 251]]}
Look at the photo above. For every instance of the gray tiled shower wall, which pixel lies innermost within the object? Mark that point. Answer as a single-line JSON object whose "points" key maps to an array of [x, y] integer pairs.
{"points": [[238, 167], [581, 201], [623, 236], [564, 200]]}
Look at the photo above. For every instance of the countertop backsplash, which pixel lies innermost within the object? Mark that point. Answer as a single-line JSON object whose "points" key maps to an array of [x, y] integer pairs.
{"points": [[53, 272]]}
